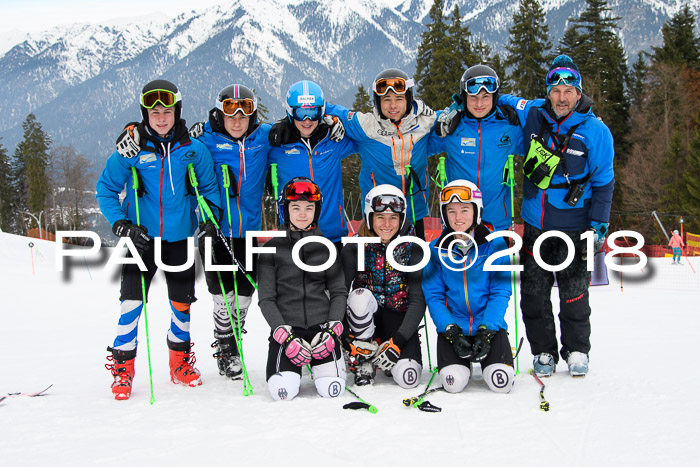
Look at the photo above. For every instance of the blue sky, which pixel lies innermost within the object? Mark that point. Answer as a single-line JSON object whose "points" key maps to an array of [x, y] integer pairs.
{"points": [[37, 15]]}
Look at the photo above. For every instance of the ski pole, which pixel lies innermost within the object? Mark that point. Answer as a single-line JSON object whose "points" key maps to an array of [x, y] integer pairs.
{"points": [[511, 184], [275, 189], [135, 186], [411, 400], [362, 404], [442, 175], [544, 405]]}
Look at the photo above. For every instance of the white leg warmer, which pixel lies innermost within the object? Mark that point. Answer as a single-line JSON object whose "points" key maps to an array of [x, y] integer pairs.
{"points": [[284, 386], [454, 378], [360, 313], [407, 373], [499, 377], [329, 378]]}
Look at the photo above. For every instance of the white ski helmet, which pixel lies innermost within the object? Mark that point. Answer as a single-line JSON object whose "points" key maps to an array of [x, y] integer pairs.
{"points": [[462, 191], [675, 232], [382, 198]]}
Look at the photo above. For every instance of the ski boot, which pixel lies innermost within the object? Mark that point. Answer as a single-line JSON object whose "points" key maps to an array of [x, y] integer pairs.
{"points": [[122, 370], [544, 365], [182, 360], [364, 373], [578, 364], [227, 356]]}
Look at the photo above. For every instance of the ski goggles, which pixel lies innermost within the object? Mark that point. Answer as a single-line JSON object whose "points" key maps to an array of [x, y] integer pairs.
{"points": [[565, 76], [393, 203], [159, 96], [463, 194], [307, 191], [312, 113], [487, 83], [230, 106], [398, 85]]}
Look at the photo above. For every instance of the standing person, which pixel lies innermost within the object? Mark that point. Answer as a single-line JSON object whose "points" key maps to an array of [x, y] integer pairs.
{"points": [[392, 141], [568, 187], [305, 145], [161, 166], [467, 303], [677, 244], [304, 309], [239, 147], [385, 305], [478, 148]]}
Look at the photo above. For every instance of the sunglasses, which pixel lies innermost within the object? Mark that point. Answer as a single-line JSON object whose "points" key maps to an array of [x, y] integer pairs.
{"points": [[230, 106], [307, 113], [475, 85], [565, 76], [391, 203], [398, 85], [307, 191], [462, 193], [159, 96]]}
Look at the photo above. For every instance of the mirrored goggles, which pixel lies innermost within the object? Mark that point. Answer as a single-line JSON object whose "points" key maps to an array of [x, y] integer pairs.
{"points": [[159, 96], [398, 85], [230, 106], [306, 191], [463, 194], [565, 76], [307, 113], [391, 203], [487, 83]]}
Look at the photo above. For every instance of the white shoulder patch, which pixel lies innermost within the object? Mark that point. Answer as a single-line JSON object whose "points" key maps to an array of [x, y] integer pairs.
{"points": [[521, 104]]}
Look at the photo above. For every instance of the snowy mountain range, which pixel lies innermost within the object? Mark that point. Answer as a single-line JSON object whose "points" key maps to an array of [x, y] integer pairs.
{"points": [[82, 81]]}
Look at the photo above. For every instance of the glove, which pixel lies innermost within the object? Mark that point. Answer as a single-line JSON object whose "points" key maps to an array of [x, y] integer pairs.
{"points": [[279, 133], [482, 344], [137, 234], [456, 337], [323, 343], [337, 128], [207, 229], [196, 130], [427, 111], [510, 113], [448, 120], [601, 231], [387, 356], [297, 350], [363, 350], [128, 142]]}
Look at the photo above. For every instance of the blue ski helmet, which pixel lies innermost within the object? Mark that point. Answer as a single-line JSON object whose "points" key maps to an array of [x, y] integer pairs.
{"points": [[305, 101]]}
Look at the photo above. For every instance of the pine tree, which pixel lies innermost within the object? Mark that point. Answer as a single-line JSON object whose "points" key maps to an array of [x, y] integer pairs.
{"points": [[432, 57], [528, 50], [351, 164], [362, 102], [692, 173], [637, 77], [681, 46], [30, 164], [6, 192]]}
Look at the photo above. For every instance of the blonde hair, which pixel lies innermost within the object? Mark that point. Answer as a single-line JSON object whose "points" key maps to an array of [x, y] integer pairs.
{"points": [[364, 231]]}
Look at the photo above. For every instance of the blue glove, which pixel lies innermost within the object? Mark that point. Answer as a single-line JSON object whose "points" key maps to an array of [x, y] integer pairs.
{"points": [[601, 231]]}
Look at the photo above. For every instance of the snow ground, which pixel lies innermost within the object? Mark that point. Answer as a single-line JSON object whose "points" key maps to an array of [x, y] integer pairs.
{"points": [[638, 406]]}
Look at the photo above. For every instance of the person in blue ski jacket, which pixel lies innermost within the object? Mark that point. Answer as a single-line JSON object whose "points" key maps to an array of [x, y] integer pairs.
{"points": [[478, 148], [165, 210], [304, 145], [239, 147], [565, 136], [466, 302], [391, 138]]}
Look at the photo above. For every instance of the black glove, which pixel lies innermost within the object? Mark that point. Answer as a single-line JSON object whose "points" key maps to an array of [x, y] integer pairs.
{"points": [[196, 130], [207, 229], [137, 234], [280, 132], [460, 344], [510, 114], [482, 344], [128, 142]]}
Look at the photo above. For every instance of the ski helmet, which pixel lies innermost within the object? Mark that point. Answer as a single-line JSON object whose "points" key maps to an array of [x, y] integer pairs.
{"points": [[564, 71], [234, 99], [300, 188], [160, 92], [462, 191], [382, 198], [675, 232], [305, 101], [475, 79], [395, 80]]}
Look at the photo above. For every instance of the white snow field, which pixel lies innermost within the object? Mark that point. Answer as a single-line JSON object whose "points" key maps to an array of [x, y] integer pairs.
{"points": [[638, 406]]}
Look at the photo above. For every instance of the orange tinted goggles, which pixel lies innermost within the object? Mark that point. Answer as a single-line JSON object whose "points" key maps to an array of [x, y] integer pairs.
{"points": [[159, 96], [462, 193], [398, 85], [231, 106], [302, 190]]}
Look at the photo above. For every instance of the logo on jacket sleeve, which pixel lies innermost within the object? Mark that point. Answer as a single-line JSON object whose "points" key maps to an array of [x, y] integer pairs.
{"points": [[521, 104]]}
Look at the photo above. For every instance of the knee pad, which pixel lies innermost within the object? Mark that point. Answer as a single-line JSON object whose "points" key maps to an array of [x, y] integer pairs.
{"points": [[360, 313], [284, 386], [329, 378], [454, 378], [499, 377], [407, 373]]}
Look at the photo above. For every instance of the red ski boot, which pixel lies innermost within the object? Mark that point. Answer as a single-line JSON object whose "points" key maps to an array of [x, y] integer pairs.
{"points": [[182, 360], [123, 371]]}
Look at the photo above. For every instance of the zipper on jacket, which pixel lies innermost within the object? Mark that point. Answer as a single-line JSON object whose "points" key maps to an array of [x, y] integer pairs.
{"points": [[466, 299]]}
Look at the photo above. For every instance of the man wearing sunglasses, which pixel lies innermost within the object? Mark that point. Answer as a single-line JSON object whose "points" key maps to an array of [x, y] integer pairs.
{"points": [[392, 141], [156, 205], [568, 187], [478, 146]]}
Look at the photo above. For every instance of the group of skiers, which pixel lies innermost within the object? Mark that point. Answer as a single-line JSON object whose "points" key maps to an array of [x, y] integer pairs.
{"points": [[360, 309]]}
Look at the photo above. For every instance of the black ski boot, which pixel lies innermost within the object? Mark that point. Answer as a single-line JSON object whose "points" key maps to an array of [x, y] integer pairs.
{"points": [[227, 356]]}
